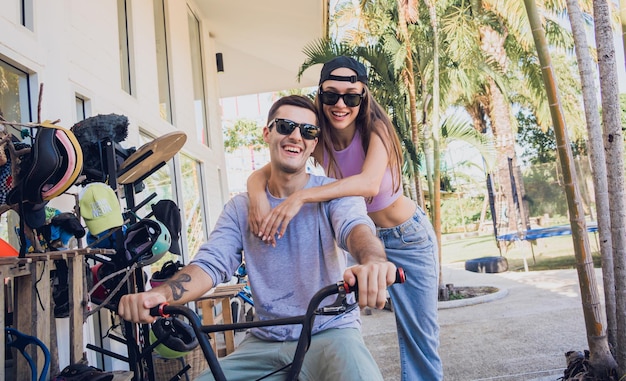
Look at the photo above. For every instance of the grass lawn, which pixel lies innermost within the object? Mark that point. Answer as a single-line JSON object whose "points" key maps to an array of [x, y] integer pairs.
{"points": [[549, 253]]}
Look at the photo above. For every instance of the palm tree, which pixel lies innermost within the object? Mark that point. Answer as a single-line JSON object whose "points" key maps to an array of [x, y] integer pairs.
{"points": [[622, 16], [601, 360], [501, 31], [407, 15], [614, 146], [435, 198], [597, 158]]}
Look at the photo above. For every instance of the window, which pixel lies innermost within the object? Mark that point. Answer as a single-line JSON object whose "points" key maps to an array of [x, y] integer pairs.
{"points": [[82, 108], [199, 98], [193, 204], [15, 102], [165, 97], [26, 13], [161, 183], [15, 106], [123, 20]]}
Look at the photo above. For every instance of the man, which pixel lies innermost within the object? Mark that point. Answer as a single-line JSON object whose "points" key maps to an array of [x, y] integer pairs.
{"points": [[284, 276]]}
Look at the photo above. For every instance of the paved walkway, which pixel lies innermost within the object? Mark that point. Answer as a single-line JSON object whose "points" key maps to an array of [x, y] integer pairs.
{"points": [[521, 335]]}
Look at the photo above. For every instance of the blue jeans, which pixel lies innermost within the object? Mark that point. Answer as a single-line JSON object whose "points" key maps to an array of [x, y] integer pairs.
{"points": [[412, 245]]}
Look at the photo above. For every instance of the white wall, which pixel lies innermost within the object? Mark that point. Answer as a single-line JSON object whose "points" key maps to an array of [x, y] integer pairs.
{"points": [[73, 49]]}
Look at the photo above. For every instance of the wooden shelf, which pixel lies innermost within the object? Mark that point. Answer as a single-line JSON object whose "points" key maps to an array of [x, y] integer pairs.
{"points": [[33, 313], [220, 295]]}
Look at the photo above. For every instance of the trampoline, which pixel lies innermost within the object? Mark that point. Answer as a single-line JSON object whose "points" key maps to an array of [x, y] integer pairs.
{"points": [[533, 234]]}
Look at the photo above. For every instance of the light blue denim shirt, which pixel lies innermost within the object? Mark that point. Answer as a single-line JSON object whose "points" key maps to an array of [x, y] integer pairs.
{"points": [[284, 278]]}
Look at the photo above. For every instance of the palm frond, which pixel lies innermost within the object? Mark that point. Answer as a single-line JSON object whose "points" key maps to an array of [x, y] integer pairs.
{"points": [[456, 127]]}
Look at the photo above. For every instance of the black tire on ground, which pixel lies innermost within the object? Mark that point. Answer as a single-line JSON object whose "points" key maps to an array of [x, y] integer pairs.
{"points": [[487, 265]]}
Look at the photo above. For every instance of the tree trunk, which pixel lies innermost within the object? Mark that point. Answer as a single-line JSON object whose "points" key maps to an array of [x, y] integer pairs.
{"points": [[601, 360], [505, 150], [492, 44], [597, 158], [622, 16], [614, 147], [410, 84], [436, 196]]}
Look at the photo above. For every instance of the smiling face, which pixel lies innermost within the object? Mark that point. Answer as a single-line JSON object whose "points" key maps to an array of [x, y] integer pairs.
{"points": [[340, 115], [289, 153]]}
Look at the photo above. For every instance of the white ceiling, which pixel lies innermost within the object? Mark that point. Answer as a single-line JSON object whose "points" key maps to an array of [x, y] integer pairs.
{"points": [[261, 42]]}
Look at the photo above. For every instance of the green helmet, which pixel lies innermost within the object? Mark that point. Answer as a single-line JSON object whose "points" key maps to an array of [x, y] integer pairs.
{"points": [[177, 337], [146, 241]]}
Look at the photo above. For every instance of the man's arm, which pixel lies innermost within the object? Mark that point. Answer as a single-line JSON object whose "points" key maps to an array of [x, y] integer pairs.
{"points": [[188, 284], [374, 272]]}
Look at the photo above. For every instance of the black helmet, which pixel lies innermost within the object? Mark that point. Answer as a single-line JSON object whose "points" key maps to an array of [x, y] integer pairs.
{"points": [[83, 372], [55, 162]]}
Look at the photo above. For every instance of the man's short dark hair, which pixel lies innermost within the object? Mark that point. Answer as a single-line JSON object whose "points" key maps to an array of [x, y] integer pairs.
{"points": [[291, 100]]}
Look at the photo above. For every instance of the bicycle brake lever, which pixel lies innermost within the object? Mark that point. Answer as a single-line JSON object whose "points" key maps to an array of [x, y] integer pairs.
{"points": [[340, 305]]}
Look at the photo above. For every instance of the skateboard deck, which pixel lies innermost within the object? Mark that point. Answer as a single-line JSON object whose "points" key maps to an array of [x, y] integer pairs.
{"points": [[150, 155]]}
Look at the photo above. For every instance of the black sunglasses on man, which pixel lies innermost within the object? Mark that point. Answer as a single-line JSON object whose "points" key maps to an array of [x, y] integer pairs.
{"points": [[286, 127]]}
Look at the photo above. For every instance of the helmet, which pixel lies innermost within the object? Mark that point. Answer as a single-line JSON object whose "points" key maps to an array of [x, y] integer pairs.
{"points": [[167, 271], [177, 337], [71, 163], [146, 242], [54, 163], [83, 372], [97, 273], [103, 269]]}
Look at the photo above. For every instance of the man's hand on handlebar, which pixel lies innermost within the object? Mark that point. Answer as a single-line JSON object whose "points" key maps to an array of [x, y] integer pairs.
{"points": [[373, 281], [136, 307]]}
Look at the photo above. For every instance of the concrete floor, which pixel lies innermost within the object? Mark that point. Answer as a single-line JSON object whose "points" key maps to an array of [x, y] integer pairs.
{"points": [[521, 335]]}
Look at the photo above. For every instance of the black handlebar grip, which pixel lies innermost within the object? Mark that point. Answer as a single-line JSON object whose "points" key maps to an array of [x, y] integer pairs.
{"points": [[158, 310], [400, 278], [400, 275]]}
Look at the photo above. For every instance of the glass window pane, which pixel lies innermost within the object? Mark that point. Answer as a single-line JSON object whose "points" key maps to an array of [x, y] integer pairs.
{"points": [[123, 20], [81, 113], [14, 107], [26, 13], [14, 94], [198, 78], [160, 182], [165, 100], [193, 204]]}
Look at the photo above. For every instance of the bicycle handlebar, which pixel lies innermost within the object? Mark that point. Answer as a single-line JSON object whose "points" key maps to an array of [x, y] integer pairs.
{"points": [[400, 278], [340, 306]]}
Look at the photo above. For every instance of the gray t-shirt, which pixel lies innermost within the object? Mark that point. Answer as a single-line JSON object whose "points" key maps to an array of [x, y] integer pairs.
{"points": [[284, 278]]}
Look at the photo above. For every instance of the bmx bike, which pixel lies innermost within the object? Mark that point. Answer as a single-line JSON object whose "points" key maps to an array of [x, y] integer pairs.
{"points": [[340, 306]]}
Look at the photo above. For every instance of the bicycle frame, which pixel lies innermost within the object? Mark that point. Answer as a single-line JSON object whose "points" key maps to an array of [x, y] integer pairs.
{"points": [[340, 306]]}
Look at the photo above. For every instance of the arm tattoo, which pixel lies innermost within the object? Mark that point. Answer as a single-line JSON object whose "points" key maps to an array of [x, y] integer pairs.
{"points": [[177, 286]]}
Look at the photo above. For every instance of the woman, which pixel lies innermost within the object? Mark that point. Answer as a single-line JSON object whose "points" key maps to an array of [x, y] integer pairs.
{"points": [[361, 149]]}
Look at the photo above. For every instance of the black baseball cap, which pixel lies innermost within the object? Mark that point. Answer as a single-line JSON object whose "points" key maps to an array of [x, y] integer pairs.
{"points": [[347, 62]]}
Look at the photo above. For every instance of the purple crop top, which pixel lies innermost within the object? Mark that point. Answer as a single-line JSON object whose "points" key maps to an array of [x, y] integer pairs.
{"points": [[350, 161]]}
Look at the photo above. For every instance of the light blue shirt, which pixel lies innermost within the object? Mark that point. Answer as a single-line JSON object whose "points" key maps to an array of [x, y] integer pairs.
{"points": [[284, 278]]}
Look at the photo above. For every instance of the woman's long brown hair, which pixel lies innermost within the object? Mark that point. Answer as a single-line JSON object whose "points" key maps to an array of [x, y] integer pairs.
{"points": [[371, 118]]}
